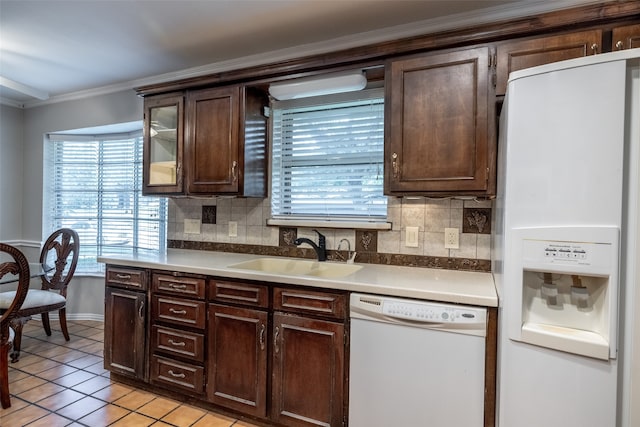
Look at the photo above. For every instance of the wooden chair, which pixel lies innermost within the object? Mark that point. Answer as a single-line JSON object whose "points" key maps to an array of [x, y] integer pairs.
{"points": [[60, 251], [14, 264]]}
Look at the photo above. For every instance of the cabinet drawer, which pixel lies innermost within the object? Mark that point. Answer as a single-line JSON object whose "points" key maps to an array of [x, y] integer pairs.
{"points": [[170, 373], [179, 311], [310, 302], [129, 278], [179, 285], [178, 343], [240, 292]]}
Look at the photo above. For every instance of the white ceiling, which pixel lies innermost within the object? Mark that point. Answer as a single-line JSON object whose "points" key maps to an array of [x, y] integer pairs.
{"points": [[51, 50]]}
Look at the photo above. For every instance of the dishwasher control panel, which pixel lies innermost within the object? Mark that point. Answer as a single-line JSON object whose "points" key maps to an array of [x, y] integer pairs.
{"points": [[454, 318], [428, 312]]}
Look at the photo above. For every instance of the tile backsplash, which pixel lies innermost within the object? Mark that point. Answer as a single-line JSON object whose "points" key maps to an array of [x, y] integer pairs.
{"points": [[430, 216]]}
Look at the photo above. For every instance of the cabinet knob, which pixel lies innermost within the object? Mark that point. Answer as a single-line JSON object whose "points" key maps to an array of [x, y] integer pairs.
{"points": [[594, 48], [234, 171], [174, 311], [177, 286], [394, 164], [619, 45], [276, 349], [177, 343], [141, 310]]}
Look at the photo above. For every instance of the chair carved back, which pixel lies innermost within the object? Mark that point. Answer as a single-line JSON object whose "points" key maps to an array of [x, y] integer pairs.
{"points": [[63, 245], [18, 266]]}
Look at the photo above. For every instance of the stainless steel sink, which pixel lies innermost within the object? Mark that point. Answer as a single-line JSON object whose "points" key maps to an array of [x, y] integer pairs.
{"points": [[298, 267]]}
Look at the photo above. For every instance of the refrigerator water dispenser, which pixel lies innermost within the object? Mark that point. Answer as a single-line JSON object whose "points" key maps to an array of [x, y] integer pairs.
{"points": [[567, 281]]}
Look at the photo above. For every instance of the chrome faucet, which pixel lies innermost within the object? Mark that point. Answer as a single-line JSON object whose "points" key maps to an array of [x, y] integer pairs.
{"points": [[351, 256], [320, 248]]}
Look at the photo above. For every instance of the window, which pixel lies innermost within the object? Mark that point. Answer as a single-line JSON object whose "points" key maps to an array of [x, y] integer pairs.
{"points": [[93, 184], [327, 159]]}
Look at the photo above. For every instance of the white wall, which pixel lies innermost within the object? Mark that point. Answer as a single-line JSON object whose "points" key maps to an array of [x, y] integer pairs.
{"points": [[11, 136]]}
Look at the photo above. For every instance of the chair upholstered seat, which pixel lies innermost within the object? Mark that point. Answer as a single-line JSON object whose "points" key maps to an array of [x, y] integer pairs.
{"points": [[35, 298]]}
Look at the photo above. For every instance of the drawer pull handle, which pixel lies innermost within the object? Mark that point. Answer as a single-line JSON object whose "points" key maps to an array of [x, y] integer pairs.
{"points": [[177, 343], [174, 311], [177, 287], [262, 328], [173, 374], [275, 340], [123, 276]]}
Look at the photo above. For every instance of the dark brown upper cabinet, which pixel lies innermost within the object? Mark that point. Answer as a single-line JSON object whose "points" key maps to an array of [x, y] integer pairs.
{"points": [[518, 54], [437, 127], [225, 143], [627, 37], [163, 144]]}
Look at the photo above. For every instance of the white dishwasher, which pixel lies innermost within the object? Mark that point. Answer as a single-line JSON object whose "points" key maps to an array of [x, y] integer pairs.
{"points": [[415, 363]]}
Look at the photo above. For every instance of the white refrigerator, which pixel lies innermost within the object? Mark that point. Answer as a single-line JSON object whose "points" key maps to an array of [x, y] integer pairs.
{"points": [[565, 251]]}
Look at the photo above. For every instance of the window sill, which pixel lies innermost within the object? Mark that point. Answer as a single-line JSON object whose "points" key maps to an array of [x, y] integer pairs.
{"points": [[319, 223]]}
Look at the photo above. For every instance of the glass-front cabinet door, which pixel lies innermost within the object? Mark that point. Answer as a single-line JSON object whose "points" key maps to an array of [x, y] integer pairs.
{"points": [[163, 139]]}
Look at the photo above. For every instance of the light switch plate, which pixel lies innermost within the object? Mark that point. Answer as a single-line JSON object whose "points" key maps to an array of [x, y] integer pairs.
{"points": [[411, 238], [191, 226]]}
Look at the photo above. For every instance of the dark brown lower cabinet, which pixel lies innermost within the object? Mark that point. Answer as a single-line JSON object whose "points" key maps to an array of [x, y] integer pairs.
{"points": [[237, 358], [308, 371], [124, 333], [275, 353]]}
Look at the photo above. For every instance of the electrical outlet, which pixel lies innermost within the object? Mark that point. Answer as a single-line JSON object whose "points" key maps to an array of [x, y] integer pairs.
{"points": [[233, 229], [191, 226], [451, 238], [411, 237]]}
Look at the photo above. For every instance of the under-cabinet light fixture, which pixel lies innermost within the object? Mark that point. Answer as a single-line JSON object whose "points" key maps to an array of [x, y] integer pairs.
{"points": [[319, 85]]}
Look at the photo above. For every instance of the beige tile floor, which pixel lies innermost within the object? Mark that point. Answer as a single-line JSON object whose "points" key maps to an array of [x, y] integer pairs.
{"points": [[59, 383]]}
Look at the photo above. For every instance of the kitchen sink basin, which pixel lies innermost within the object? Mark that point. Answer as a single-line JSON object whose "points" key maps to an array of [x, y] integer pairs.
{"points": [[298, 267]]}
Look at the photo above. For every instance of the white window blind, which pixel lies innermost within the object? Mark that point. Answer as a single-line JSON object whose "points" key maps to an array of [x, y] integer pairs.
{"points": [[93, 185], [327, 159]]}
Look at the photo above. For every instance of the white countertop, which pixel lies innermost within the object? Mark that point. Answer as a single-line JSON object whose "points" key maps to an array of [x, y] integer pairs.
{"points": [[463, 287]]}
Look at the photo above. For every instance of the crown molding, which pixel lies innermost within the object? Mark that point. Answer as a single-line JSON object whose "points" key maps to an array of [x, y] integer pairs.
{"points": [[11, 102], [444, 23]]}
